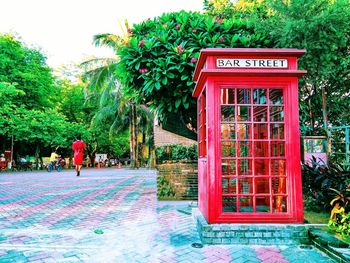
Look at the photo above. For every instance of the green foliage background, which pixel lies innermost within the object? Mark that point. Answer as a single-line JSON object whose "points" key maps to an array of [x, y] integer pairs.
{"points": [[40, 111]]}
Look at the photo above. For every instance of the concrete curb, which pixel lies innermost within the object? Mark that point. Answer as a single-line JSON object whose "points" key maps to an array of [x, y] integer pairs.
{"points": [[335, 248]]}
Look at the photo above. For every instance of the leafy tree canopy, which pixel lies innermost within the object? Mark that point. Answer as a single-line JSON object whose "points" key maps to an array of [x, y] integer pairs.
{"points": [[322, 28], [158, 61], [25, 69]]}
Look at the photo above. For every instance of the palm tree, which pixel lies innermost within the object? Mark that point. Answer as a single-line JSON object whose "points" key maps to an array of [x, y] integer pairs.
{"points": [[115, 107]]}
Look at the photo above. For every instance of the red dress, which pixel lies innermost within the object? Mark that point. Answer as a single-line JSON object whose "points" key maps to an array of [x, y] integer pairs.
{"points": [[78, 148]]}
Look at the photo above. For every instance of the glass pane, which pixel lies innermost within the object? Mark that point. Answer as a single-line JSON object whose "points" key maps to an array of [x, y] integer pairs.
{"points": [[246, 204], [228, 149], [259, 113], [262, 186], [227, 113], [229, 204], [227, 96], [244, 167], [259, 96], [260, 131], [278, 185], [280, 204], [245, 186], [243, 113], [243, 96], [277, 131], [228, 185], [277, 149], [278, 167], [261, 167], [228, 167], [228, 131], [262, 204], [276, 113], [244, 149], [261, 149], [244, 131], [276, 96]]}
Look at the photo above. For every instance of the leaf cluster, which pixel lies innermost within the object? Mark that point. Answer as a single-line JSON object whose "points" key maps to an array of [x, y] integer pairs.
{"points": [[176, 152], [322, 28], [158, 61]]}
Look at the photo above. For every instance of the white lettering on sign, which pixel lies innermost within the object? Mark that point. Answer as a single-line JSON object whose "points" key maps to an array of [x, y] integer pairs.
{"points": [[251, 63]]}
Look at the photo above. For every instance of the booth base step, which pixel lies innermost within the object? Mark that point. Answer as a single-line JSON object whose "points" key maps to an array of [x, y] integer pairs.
{"points": [[250, 234]]}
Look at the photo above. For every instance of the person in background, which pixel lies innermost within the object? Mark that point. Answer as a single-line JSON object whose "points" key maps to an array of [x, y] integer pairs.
{"points": [[78, 147], [53, 157]]}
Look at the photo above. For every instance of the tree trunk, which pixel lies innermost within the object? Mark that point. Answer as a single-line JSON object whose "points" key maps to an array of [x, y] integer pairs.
{"points": [[312, 123], [37, 157], [132, 154], [325, 121], [92, 153], [133, 137]]}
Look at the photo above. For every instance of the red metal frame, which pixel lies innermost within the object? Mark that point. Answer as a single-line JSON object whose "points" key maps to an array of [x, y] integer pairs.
{"points": [[212, 142]]}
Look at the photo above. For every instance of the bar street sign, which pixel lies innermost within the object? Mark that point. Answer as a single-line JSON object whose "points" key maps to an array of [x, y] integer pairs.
{"points": [[251, 63]]}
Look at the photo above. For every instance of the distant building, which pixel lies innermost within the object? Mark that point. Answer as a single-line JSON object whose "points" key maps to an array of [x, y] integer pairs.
{"points": [[173, 131]]}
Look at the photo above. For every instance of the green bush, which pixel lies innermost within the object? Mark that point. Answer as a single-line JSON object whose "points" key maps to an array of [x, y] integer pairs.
{"points": [[342, 227], [164, 188], [318, 180], [176, 152], [192, 152], [162, 153]]}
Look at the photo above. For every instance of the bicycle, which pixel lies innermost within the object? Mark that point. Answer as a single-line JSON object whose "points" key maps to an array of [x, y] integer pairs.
{"points": [[54, 166]]}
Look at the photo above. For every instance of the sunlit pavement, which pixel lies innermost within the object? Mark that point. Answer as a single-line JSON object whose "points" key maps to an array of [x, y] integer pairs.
{"points": [[110, 215]]}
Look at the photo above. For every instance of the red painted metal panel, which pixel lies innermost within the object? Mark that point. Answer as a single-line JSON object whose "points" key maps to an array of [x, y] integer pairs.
{"points": [[208, 55], [203, 187]]}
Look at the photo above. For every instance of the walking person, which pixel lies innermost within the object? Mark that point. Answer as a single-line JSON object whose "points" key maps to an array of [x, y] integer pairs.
{"points": [[78, 147]]}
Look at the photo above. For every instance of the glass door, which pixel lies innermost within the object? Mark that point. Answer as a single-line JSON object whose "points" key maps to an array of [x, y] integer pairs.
{"points": [[253, 150]]}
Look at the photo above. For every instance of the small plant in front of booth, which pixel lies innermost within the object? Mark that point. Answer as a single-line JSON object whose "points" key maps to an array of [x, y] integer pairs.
{"points": [[341, 226], [339, 221], [164, 188]]}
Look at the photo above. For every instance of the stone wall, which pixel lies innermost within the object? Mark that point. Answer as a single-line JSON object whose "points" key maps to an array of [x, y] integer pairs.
{"points": [[181, 178]]}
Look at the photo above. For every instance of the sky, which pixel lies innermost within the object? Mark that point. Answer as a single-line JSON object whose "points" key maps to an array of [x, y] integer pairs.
{"points": [[64, 29]]}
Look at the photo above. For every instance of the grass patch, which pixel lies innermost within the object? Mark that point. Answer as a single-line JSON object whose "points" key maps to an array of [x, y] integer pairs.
{"points": [[316, 218]]}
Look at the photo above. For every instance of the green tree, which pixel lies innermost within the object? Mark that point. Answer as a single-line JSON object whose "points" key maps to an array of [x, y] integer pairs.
{"points": [[238, 9], [29, 101], [322, 28], [115, 107], [158, 61], [26, 69], [33, 128]]}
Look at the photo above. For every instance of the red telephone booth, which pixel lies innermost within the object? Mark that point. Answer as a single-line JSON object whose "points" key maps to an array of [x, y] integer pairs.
{"points": [[248, 135]]}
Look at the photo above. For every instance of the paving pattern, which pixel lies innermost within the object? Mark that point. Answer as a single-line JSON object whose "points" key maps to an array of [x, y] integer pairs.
{"points": [[110, 215]]}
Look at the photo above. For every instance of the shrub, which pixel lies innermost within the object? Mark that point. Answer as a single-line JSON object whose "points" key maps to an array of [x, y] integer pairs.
{"points": [[342, 227], [176, 152], [164, 188], [317, 182], [162, 153]]}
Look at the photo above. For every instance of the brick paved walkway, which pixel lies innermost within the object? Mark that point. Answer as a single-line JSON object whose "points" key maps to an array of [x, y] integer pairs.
{"points": [[57, 217]]}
